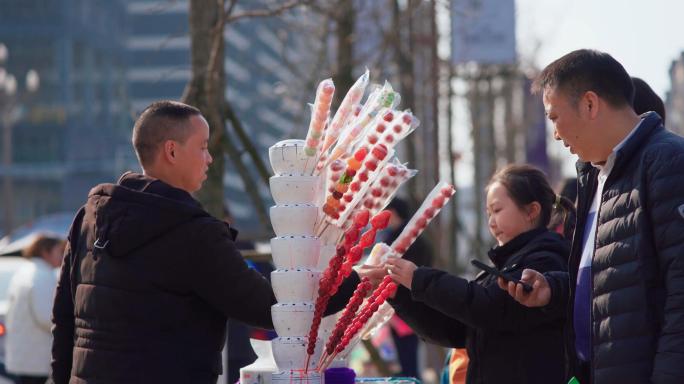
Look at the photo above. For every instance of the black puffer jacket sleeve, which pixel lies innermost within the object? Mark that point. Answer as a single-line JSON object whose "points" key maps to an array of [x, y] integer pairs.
{"points": [[428, 323], [559, 282], [340, 299], [665, 206], [220, 276], [482, 306], [63, 310]]}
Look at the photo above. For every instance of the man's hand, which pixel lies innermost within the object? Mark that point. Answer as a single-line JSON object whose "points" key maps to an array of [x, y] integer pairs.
{"points": [[541, 291], [374, 273], [401, 270]]}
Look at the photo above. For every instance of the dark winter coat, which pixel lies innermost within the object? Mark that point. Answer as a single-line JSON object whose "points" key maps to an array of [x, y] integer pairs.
{"points": [[637, 309], [506, 342], [147, 284]]}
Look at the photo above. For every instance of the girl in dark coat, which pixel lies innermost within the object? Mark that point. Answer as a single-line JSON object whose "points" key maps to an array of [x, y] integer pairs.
{"points": [[506, 342]]}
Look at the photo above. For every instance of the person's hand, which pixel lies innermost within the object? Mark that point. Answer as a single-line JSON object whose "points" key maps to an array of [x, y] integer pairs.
{"points": [[538, 297], [400, 270], [374, 273]]}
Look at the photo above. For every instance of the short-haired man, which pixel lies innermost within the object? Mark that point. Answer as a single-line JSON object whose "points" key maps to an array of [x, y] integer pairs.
{"points": [[624, 292], [149, 278]]}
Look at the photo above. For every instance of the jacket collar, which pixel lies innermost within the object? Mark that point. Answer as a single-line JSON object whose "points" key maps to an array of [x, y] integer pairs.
{"points": [[650, 124], [147, 184], [500, 254], [143, 183]]}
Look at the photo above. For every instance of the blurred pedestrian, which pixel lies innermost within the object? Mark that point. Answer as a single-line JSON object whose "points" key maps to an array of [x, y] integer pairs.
{"points": [[420, 253], [624, 292], [565, 225], [646, 100], [455, 367], [506, 342], [30, 293], [238, 346]]}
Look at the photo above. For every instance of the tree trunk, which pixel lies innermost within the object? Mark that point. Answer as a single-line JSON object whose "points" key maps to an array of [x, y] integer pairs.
{"points": [[403, 25], [438, 233], [205, 91], [345, 17]]}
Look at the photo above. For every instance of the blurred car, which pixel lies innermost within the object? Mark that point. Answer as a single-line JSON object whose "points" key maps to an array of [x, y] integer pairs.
{"points": [[56, 224], [8, 266]]}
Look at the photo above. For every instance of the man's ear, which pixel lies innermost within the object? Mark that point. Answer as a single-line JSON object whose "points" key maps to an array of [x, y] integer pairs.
{"points": [[589, 103], [169, 151]]}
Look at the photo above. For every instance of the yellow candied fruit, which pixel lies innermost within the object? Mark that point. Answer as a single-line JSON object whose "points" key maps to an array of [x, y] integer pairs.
{"points": [[332, 201], [354, 164], [342, 188]]}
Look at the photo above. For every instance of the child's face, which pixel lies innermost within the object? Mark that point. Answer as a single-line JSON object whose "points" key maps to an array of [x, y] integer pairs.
{"points": [[506, 219]]}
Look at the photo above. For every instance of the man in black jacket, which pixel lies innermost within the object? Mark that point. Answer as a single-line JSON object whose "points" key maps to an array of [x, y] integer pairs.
{"points": [[149, 278], [624, 292]]}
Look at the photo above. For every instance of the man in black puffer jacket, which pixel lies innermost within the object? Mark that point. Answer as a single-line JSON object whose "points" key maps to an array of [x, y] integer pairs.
{"points": [[149, 278], [624, 293]]}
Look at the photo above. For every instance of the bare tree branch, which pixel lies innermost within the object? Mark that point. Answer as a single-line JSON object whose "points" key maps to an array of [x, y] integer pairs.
{"points": [[329, 11], [246, 142], [229, 11], [251, 188], [268, 12], [306, 76]]}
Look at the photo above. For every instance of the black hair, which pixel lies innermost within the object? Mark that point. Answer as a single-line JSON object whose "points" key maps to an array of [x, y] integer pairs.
{"points": [[646, 100], [526, 184], [401, 207], [569, 188], [587, 70], [161, 121], [40, 245]]}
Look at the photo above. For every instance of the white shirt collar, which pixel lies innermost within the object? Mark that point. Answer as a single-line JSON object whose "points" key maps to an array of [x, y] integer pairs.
{"points": [[605, 168]]}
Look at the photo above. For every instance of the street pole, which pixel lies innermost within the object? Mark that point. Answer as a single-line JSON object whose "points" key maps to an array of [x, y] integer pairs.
{"points": [[10, 101], [7, 187]]}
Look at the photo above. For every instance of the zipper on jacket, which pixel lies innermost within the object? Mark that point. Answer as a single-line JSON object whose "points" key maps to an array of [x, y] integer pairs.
{"points": [[585, 180], [593, 271]]}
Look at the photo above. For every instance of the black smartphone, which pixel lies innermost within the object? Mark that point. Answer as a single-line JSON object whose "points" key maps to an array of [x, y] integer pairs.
{"points": [[493, 271]]}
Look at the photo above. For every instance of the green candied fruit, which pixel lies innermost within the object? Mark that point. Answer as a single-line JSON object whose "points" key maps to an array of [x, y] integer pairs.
{"points": [[389, 99], [345, 179], [310, 151]]}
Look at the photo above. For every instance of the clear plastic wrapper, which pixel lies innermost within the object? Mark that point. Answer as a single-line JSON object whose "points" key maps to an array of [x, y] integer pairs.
{"points": [[433, 203], [344, 112], [319, 118]]}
